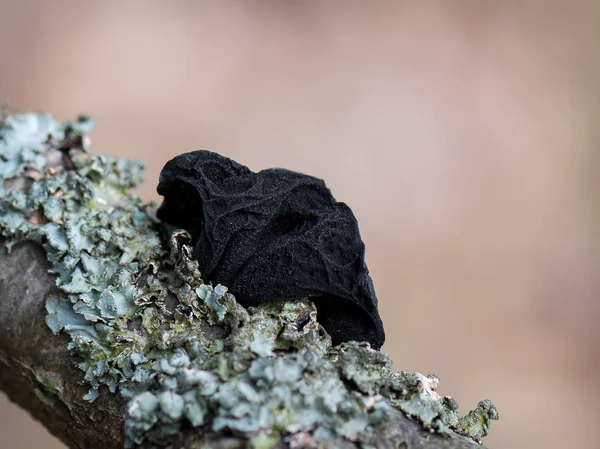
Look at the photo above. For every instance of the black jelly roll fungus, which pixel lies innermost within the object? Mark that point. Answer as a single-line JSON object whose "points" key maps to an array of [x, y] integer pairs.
{"points": [[273, 235]]}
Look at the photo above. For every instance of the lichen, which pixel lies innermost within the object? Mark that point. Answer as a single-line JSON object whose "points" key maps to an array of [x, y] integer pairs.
{"points": [[179, 350], [476, 424], [50, 381]]}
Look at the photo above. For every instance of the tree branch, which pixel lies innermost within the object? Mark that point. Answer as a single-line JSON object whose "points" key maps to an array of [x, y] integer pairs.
{"points": [[205, 359], [40, 375], [36, 370]]}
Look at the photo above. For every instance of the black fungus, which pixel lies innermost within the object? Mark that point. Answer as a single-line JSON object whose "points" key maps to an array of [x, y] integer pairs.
{"points": [[273, 235]]}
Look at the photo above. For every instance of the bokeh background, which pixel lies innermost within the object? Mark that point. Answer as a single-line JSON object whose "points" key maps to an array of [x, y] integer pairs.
{"points": [[464, 135]]}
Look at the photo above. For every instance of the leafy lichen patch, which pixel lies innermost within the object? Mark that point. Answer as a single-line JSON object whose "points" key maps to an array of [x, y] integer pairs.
{"points": [[182, 351]]}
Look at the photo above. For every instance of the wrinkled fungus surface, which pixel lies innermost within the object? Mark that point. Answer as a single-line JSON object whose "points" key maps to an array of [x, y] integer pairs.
{"points": [[271, 236], [182, 352]]}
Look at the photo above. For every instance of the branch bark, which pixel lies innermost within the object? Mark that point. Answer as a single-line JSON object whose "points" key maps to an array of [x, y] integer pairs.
{"points": [[37, 372]]}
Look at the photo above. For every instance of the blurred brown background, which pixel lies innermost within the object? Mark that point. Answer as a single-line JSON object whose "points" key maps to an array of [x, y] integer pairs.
{"points": [[463, 134]]}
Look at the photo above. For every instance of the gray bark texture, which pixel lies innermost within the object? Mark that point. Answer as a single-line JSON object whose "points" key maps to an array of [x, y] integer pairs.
{"points": [[29, 353]]}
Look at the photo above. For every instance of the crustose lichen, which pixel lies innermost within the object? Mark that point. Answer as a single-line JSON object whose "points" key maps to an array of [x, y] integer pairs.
{"points": [[180, 351]]}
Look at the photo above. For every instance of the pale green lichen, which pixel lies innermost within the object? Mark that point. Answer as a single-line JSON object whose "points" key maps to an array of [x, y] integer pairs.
{"points": [[179, 350], [50, 381], [476, 424], [49, 385]]}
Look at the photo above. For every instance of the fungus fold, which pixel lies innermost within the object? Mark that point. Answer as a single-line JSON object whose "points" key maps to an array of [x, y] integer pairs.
{"points": [[274, 235]]}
